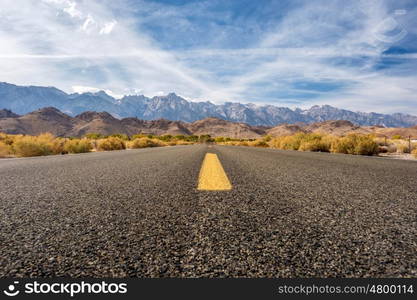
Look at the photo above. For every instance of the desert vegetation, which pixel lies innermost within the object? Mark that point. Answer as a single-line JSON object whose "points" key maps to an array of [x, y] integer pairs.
{"points": [[356, 144], [47, 144]]}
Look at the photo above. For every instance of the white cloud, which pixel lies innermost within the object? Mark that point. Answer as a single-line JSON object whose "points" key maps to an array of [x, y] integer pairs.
{"points": [[85, 89], [80, 44], [72, 10], [70, 52], [88, 23], [108, 27]]}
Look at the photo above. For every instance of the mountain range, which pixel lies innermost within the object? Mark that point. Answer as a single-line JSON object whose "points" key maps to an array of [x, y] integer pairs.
{"points": [[24, 99], [54, 121]]}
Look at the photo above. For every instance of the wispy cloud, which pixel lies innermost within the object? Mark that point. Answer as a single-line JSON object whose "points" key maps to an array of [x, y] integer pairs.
{"points": [[295, 53]]}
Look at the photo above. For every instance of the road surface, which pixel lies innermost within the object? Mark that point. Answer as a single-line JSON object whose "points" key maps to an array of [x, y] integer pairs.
{"points": [[138, 213]]}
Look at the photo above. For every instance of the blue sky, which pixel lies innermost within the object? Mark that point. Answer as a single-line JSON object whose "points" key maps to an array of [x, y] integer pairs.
{"points": [[359, 55]]}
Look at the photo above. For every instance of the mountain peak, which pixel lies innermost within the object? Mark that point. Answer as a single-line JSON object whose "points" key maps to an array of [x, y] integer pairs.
{"points": [[6, 113], [47, 110], [91, 115], [22, 100]]}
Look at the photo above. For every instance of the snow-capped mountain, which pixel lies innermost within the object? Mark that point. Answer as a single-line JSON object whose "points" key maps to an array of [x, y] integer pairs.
{"points": [[24, 99]]}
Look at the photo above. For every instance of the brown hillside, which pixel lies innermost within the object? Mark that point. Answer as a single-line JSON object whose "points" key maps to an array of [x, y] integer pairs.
{"points": [[217, 127], [285, 129], [47, 119], [54, 121]]}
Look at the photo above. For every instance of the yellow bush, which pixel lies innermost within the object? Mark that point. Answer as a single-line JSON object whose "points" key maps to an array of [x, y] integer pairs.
{"points": [[355, 144], [58, 146], [111, 143], [315, 145], [5, 149], [403, 148], [414, 153], [288, 142], [258, 143], [78, 146], [180, 142], [32, 146], [316, 142], [303, 142], [7, 139], [145, 142]]}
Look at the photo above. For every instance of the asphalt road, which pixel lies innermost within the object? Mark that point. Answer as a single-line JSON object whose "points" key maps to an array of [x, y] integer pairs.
{"points": [[139, 213]]}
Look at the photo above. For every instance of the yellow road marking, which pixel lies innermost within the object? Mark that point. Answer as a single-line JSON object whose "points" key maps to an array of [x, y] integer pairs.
{"points": [[212, 176]]}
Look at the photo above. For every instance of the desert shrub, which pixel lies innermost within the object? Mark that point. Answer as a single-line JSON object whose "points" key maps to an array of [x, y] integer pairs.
{"points": [[380, 141], [58, 146], [291, 142], [366, 146], [145, 142], [111, 143], [180, 142], [5, 150], [192, 138], [303, 142], [205, 138], [26, 146], [403, 148], [316, 142], [396, 137], [355, 144], [165, 138], [258, 143], [8, 139], [120, 136], [391, 148], [316, 145], [286, 143], [228, 143], [78, 146], [180, 137], [414, 153], [382, 149], [93, 136], [267, 138], [137, 136]]}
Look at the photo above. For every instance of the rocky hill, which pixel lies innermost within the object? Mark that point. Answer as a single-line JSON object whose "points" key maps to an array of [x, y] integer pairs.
{"points": [[56, 122], [52, 120]]}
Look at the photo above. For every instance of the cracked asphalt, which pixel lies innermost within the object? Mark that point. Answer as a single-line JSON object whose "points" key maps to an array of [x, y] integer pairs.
{"points": [[137, 213]]}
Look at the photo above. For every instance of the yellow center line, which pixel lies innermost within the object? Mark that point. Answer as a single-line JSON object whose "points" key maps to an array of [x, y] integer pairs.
{"points": [[212, 176]]}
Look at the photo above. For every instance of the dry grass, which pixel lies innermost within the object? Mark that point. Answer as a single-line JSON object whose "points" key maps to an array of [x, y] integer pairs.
{"points": [[258, 143], [78, 146], [351, 144], [25, 146], [5, 150], [303, 142], [47, 144], [145, 142], [110, 144], [355, 144]]}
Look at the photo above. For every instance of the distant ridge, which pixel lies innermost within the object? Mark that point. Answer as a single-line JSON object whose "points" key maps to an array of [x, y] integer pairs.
{"points": [[24, 99], [52, 120]]}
